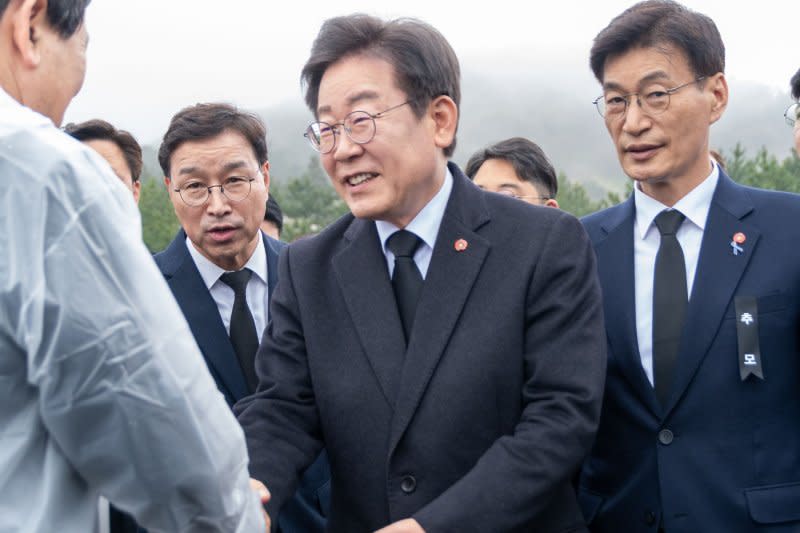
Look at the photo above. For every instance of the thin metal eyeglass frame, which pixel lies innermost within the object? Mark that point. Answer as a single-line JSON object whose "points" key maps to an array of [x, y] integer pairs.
{"points": [[599, 102], [335, 127], [221, 189]]}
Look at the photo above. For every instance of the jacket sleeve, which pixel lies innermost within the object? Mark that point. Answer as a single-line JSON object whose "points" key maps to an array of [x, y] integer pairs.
{"points": [[122, 386], [515, 481], [281, 421]]}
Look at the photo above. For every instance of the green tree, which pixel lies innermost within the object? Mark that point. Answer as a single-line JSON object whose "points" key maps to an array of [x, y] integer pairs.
{"points": [[159, 223], [573, 198], [308, 202], [764, 170]]}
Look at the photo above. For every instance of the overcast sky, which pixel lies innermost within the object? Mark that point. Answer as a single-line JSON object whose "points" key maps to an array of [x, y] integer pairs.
{"points": [[149, 58]]}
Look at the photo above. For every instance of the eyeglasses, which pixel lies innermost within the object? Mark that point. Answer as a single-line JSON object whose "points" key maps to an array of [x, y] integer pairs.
{"points": [[512, 194], [358, 125], [651, 101], [235, 189], [792, 114]]}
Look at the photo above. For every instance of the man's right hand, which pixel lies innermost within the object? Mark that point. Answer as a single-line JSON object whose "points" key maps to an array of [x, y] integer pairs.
{"points": [[264, 495]]}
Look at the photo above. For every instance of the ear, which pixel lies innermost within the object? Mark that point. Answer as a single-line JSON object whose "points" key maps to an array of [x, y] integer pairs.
{"points": [[551, 203], [444, 113], [137, 190], [27, 20], [265, 172], [717, 91], [168, 183]]}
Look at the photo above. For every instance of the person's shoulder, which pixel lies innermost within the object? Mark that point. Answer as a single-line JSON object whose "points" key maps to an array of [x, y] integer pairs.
{"points": [[170, 257], [774, 200], [520, 227], [48, 158], [273, 244], [600, 222], [505, 208], [602, 216]]}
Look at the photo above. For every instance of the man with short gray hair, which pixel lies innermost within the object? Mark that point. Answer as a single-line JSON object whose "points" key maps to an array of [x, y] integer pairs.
{"points": [[451, 366], [102, 388]]}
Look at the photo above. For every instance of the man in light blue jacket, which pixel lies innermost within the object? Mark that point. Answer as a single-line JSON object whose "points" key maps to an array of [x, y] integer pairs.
{"points": [[102, 389]]}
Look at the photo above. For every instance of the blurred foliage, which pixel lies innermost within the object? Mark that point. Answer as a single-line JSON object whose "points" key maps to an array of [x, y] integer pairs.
{"points": [[309, 202], [764, 170], [159, 223], [573, 198]]}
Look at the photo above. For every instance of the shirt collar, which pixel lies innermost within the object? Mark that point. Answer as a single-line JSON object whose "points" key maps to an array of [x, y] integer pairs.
{"points": [[211, 272], [14, 112], [426, 224], [694, 206]]}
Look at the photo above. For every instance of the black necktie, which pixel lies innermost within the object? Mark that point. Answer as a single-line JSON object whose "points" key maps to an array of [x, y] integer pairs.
{"points": [[406, 279], [669, 302], [243, 328]]}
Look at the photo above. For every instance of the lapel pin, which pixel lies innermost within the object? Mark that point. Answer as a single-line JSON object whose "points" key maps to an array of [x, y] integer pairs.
{"points": [[460, 245], [738, 239]]}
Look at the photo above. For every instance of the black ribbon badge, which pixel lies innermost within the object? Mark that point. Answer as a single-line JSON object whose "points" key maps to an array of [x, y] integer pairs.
{"points": [[747, 334]]}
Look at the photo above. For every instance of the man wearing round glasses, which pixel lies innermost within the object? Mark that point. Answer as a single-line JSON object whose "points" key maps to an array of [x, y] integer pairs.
{"points": [[220, 267], [450, 364], [700, 429], [792, 113]]}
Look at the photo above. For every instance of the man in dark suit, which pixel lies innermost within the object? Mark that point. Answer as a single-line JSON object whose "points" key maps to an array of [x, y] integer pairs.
{"points": [[214, 159], [700, 428], [443, 343]]}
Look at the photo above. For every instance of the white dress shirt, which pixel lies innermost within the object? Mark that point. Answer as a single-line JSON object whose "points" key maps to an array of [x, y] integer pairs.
{"points": [[257, 289], [425, 226], [646, 240], [102, 387]]}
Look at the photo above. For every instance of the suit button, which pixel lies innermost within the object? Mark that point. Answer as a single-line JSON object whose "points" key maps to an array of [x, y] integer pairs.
{"points": [[665, 437], [649, 518], [408, 484]]}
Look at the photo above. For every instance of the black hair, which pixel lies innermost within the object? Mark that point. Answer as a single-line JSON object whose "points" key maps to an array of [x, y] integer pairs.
{"points": [[529, 161]]}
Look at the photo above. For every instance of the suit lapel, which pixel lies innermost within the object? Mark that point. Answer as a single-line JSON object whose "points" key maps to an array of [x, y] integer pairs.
{"points": [[273, 249], [361, 271], [450, 278], [716, 279], [203, 317], [616, 272]]}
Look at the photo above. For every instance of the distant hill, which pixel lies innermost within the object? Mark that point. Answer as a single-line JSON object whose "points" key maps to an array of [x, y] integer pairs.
{"points": [[561, 118]]}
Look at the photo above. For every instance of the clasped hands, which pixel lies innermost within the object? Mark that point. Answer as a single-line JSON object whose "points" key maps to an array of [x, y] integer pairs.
{"points": [[409, 525]]}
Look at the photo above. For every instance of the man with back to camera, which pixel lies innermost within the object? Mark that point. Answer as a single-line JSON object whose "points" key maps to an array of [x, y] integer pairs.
{"points": [[124, 155], [118, 147], [699, 430], [515, 167], [451, 392], [221, 268], [102, 389]]}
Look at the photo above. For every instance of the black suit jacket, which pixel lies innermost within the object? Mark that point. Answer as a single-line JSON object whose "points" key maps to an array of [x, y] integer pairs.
{"points": [[481, 422], [723, 455], [306, 512]]}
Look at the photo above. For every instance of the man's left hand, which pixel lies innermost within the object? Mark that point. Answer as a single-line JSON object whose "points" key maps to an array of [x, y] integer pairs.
{"points": [[409, 525]]}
